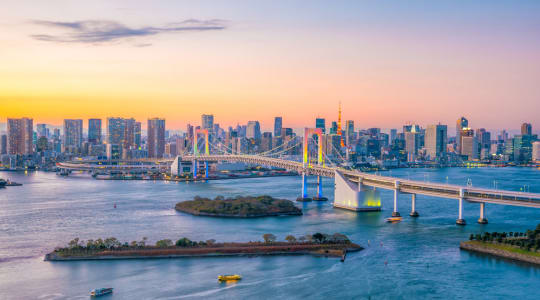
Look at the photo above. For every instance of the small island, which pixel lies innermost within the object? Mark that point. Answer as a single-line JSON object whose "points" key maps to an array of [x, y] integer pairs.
{"points": [[521, 246], [319, 244], [239, 207]]}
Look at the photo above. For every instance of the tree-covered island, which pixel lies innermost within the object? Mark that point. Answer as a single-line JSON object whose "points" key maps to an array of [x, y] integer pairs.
{"points": [[239, 207], [522, 246], [111, 248]]}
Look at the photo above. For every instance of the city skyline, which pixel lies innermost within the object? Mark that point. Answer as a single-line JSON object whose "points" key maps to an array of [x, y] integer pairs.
{"points": [[475, 59], [268, 125], [289, 149]]}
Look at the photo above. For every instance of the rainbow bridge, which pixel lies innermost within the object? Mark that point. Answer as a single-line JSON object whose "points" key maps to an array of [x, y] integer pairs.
{"points": [[359, 179], [354, 190]]}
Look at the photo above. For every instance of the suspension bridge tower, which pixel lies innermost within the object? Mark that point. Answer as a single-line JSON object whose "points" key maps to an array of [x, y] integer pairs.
{"points": [[196, 133], [306, 162]]}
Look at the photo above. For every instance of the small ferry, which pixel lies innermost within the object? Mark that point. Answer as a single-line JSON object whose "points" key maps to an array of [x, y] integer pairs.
{"points": [[394, 219], [229, 277], [12, 183], [3, 183], [101, 292]]}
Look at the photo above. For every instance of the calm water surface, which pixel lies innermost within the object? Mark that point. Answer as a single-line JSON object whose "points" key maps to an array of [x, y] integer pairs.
{"points": [[417, 258]]}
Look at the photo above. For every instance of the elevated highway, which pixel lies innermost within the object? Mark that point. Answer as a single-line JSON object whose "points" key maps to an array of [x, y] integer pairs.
{"points": [[398, 185]]}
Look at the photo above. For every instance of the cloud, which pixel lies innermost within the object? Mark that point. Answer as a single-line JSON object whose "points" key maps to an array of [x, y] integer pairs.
{"points": [[104, 31]]}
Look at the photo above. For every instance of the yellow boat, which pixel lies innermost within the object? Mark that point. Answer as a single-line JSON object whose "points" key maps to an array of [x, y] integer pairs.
{"points": [[394, 219], [229, 277]]}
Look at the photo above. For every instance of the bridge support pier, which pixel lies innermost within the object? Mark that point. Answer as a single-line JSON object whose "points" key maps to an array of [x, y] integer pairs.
{"points": [[304, 197], [195, 167], [395, 213], [319, 190], [460, 220], [482, 219], [413, 213], [206, 170]]}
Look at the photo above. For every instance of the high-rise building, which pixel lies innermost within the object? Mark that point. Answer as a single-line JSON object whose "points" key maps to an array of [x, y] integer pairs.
{"points": [[278, 126], [56, 133], [20, 135], [375, 132], [411, 127], [114, 151], [465, 132], [411, 144], [526, 129], [522, 147], [266, 141], [484, 139], [334, 128], [536, 151], [503, 136], [469, 147], [3, 144], [189, 131], [349, 131], [73, 137], [94, 131], [321, 123], [207, 122], [288, 131], [460, 124], [393, 135], [156, 138], [436, 140], [42, 130], [253, 130], [137, 132], [171, 150], [115, 131], [129, 134]]}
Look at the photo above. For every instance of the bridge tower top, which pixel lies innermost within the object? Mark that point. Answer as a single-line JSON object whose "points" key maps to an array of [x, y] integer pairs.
{"points": [[196, 132], [308, 133]]}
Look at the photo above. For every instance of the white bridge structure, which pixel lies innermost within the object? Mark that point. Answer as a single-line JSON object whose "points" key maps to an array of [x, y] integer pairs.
{"points": [[354, 190]]}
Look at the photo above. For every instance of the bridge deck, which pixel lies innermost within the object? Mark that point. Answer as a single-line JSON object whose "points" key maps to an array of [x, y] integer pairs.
{"points": [[404, 186]]}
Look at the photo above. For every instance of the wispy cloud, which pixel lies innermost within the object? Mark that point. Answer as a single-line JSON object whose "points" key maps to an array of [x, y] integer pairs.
{"points": [[104, 31]]}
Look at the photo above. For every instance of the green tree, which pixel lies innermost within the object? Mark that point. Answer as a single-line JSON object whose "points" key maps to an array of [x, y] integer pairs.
{"points": [[318, 237], [269, 238], [471, 237], [142, 243], [74, 243], [290, 238], [164, 243], [184, 242], [99, 244], [339, 238]]}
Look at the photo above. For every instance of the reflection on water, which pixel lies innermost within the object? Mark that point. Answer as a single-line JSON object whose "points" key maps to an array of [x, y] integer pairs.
{"points": [[411, 259]]}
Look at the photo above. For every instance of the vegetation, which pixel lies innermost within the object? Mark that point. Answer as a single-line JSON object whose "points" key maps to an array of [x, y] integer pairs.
{"points": [[76, 247], [528, 241], [269, 238], [239, 206]]}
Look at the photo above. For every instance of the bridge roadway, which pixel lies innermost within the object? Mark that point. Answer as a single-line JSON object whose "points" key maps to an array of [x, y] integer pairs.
{"points": [[400, 185]]}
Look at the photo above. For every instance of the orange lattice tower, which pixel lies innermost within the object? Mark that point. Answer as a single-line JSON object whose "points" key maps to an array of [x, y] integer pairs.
{"points": [[339, 132]]}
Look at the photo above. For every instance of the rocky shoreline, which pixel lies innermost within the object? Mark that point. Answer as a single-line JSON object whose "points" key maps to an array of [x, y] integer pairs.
{"points": [[205, 214], [330, 250], [481, 247], [239, 207]]}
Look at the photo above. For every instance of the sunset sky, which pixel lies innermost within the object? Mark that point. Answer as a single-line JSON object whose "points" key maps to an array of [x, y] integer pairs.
{"points": [[388, 62]]}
